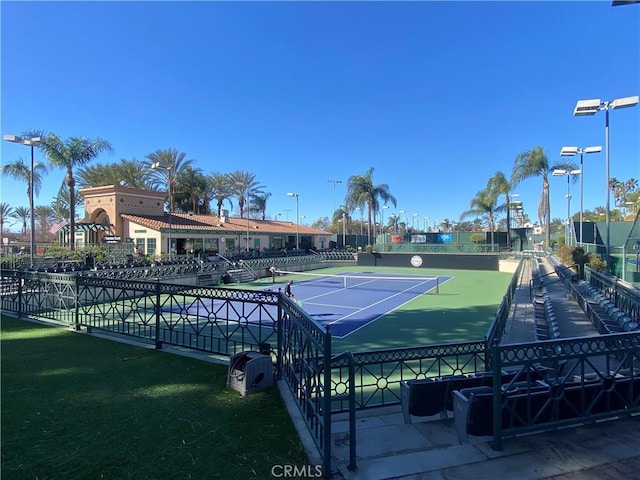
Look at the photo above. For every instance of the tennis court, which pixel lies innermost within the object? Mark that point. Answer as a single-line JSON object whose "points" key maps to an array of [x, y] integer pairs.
{"points": [[348, 301]]}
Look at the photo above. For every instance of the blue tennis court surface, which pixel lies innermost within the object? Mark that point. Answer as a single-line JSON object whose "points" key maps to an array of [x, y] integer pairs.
{"points": [[345, 303], [349, 305]]}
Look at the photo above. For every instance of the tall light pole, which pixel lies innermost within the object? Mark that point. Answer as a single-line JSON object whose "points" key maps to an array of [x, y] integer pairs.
{"points": [[591, 107], [559, 173], [30, 142], [400, 217], [570, 152], [384, 207], [426, 224], [159, 166], [297, 197], [413, 222], [334, 192]]}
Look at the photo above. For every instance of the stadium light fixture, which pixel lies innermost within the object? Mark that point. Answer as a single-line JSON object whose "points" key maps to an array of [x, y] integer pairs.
{"points": [[30, 142], [591, 107], [569, 152]]}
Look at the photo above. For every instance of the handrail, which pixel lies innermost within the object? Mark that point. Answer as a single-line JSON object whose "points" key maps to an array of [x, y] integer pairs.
{"points": [[555, 271]]}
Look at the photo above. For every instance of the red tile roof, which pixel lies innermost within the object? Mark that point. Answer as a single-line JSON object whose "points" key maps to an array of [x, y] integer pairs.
{"points": [[212, 223]]}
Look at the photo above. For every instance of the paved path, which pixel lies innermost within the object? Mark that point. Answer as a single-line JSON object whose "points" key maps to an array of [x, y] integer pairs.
{"points": [[387, 448]]}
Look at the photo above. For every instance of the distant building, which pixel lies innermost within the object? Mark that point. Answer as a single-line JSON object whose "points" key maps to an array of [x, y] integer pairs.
{"points": [[116, 213]]}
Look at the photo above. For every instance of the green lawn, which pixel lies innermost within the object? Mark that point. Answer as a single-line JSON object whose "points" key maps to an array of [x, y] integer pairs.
{"points": [[80, 407]]}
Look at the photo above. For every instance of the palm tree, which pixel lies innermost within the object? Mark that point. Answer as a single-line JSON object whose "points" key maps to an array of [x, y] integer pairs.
{"points": [[484, 204], [69, 154], [22, 215], [132, 173], [244, 186], [168, 164], [258, 204], [534, 163], [361, 191], [6, 211], [220, 190], [20, 170], [191, 189], [44, 214]]}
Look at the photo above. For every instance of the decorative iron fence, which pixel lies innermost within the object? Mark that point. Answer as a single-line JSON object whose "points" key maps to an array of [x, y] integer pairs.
{"points": [[624, 296]]}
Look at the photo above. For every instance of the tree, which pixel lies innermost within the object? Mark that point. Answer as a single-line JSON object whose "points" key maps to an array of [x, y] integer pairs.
{"points": [[6, 211], [220, 191], [534, 163], [502, 186], [20, 170], [191, 190], [43, 214], [243, 186], [361, 191], [22, 215], [131, 173], [167, 164], [484, 204], [258, 205], [70, 154]]}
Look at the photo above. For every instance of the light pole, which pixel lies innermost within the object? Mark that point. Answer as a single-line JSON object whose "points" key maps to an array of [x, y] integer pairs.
{"points": [[30, 142], [159, 166], [570, 152], [297, 197], [426, 224], [334, 192], [413, 222], [344, 230], [400, 217], [384, 207], [591, 107], [568, 173]]}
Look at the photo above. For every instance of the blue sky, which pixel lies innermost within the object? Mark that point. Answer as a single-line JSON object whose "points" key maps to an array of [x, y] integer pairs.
{"points": [[435, 96]]}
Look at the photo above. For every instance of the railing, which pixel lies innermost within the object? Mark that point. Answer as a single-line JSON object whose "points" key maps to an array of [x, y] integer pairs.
{"points": [[498, 325], [624, 296]]}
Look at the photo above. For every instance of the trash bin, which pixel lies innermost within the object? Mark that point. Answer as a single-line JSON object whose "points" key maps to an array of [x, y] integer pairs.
{"points": [[250, 372]]}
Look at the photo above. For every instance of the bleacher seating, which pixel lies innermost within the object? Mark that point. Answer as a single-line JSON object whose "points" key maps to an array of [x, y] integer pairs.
{"points": [[545, 324], [605, 315]]}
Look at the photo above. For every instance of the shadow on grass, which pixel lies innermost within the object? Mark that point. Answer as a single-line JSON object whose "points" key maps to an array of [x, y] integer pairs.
{"points": [[79, 407]]}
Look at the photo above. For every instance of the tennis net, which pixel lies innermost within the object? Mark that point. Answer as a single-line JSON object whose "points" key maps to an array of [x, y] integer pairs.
{"points": [[412, 284]]}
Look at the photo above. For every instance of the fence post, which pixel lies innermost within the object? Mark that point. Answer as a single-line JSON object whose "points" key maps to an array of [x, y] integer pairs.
{"points": [[497, 396], [158, 310], [279, 334], [352, 413], [20, 284], [326, 407], [76, 300]]}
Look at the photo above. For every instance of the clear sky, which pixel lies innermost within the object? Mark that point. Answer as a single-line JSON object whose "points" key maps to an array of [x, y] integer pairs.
{"points": [[435, 96]]}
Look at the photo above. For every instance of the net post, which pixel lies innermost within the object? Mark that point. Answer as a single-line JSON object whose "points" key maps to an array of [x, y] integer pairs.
{"points": [[437, 285]]}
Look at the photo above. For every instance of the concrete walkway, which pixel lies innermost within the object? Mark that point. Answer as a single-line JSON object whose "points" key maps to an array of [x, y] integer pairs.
{"points": [[387, 448]]}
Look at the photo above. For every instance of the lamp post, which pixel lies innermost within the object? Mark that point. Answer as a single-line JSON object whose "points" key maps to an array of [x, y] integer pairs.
{"points": [[344, 230], [334, 191], [384, 207], [413, 222], [559, 173], [571, 151], [159, 166], [426, 224], [591, 107], [297, 197], [400, 218], [30, 142]]}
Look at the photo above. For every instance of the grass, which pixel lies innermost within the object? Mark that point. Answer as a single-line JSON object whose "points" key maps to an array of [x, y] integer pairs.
{"points": [[80, 407]]}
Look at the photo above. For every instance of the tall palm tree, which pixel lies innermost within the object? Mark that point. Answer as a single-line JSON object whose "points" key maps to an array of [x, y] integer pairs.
{"points": [[170, 163], [20, 170], [243, 185], [6, 211], [535, 163], [22, 215], [220, 191], [70, 154], [361, 191], [484, 204]]}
